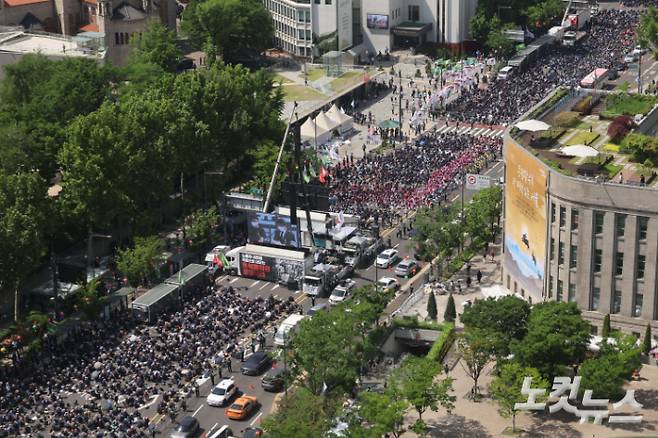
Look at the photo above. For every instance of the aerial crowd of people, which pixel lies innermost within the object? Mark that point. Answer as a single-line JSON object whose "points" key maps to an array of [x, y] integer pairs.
{"points": [[385, 187], [94, 382], [611, 36]]}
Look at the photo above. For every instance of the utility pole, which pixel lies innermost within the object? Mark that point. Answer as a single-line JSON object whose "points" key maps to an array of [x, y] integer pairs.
{"points": [[461, 233], [400, 103], [639, 75]]}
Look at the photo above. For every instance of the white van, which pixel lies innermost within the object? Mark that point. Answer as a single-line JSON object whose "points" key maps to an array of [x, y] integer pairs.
{"points": [[505, 72], [286, 328]]}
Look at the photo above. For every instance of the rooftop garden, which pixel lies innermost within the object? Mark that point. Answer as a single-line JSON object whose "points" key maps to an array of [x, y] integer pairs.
{"points": [[619, 104]]}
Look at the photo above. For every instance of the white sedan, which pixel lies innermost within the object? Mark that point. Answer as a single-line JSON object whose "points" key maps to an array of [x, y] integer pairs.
{"points": [[387, 258], [342, 291], [386, 284]]}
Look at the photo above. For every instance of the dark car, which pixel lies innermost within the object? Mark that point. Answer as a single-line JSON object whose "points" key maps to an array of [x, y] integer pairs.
{"points": [[275, 379], [188, 427], [255, 364], [252, 432]]}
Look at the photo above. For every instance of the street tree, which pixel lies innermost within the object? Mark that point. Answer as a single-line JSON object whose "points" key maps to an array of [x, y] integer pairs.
{"points": [[605, 330], [201, 228], [439, 230], [383, 412], [88, 300], [506, 388], [302, 413], [646, 342], [324, 352], [415, 380], [41, 96], [450, 313], [23, 224], [139, 264], [476, 348], [544, 14], [505, 317], [647, 31], [431, 307], [613, 366], [157, 45], [239, 28], [557, 336]]}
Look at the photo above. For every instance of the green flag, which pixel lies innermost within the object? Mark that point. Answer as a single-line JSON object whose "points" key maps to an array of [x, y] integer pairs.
{"points": [[311, 170], [306, 176], [224, 260]]}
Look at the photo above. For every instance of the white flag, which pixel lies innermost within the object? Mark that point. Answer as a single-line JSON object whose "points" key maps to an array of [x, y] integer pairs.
{"points": [[353, 104]]}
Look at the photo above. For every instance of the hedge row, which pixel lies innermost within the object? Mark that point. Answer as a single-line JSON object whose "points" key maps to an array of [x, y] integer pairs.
{"points": [[414, 323], [442, 345]]}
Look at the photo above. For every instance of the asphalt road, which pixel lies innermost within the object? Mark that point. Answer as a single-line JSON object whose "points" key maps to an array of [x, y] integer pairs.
{"points": [[212, 418]]}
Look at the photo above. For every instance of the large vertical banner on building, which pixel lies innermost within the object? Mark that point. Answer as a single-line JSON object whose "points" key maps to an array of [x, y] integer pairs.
{"points": [[525, 219], [344, 24]]}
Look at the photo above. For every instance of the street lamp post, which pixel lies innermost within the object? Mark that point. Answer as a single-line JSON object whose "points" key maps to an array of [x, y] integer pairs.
{"points": [[400, 102]]}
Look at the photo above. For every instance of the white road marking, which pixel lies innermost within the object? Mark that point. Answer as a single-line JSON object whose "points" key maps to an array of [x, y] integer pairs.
{"points": [[153, 400], [256, 283], [275, 287], [396, 245], [222, 278], [197, 411], [212, 428], [489, 170], [454, 198], [234, 280], [263, 286], [255, 419]]}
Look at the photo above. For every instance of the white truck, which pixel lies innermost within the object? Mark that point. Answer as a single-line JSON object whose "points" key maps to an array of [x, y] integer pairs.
{"points": [[283, 266], [287, 328], [321, 280]]}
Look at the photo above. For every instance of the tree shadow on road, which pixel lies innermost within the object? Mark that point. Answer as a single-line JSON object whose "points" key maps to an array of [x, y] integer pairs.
{"points": [[456, 426]]}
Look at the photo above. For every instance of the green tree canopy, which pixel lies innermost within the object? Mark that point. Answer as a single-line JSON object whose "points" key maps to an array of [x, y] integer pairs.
{"points": [[450, 313], [647, 31], [156, 46], [557, 336], [431, 307], [476, 347], [383, 413], [139, 264], [506, 388], [301, 414], [238, 28], [23, 223], [505, 317], [415, 380]]}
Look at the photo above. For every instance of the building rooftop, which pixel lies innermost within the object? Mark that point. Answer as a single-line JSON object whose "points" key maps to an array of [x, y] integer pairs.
{"points": [[582, 142], [13, 3], [46, 44]]}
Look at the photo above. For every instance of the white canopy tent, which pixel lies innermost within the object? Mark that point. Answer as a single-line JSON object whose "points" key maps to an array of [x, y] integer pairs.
{"points": [[313, 133], [323, 121], [345, 122], [579, 150], [533, 125]]}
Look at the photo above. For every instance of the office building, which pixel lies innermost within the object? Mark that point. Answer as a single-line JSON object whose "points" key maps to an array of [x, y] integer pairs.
{"points": [[581, 217]]}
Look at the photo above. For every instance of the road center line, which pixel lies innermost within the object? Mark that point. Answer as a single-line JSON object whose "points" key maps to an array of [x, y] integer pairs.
{"points": [[255, 419]]}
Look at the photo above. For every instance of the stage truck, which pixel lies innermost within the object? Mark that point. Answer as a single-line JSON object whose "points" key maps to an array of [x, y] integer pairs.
{"points": [[284, 266]]}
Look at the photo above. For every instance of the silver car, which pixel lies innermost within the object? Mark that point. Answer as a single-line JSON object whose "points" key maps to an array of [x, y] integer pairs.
{"points": [[407, 268]]}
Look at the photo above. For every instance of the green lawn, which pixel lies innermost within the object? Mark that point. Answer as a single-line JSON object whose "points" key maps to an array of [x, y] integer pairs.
{"points": [[346, 80], [613, 169], [281, 79], [313, 74], [300, 92], [584, 137], [629, 104], [584, 126]]}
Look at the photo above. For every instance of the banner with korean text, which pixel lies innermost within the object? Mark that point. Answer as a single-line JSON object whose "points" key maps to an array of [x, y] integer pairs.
{"points": [[525, 219]]}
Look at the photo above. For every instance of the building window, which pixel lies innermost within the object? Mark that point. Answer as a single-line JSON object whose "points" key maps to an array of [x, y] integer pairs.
{"points": [[307, 16], [598, 222], [116, 38], [300, 15], [598, 256], [301, 34], [317, 2], [643, 224], [641, 262], [552, 255], [619, 263], [508, 281], [414, 14], [616, 302], [637, 306], [573, 256], [563, 216], [621, 224], [596, 294], [308, 36], [560, 289], [552, 213], [574, 219], [593, 330], [560, 255], [572, 293], [327, 2]]}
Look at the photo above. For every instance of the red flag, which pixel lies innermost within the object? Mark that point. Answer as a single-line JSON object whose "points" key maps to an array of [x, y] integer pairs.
{"points": [[217, 261], [323, 175]]}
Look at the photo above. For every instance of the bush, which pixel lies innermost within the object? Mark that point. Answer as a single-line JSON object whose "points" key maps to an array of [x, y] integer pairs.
{"points": [[442, 345], [566, 119], [617, 131], [584, 105], [640, 147], [617, 104], [414, 323]]}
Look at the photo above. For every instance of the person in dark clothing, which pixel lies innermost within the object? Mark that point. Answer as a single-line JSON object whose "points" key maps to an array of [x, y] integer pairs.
{"points": [[479, 276]]}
